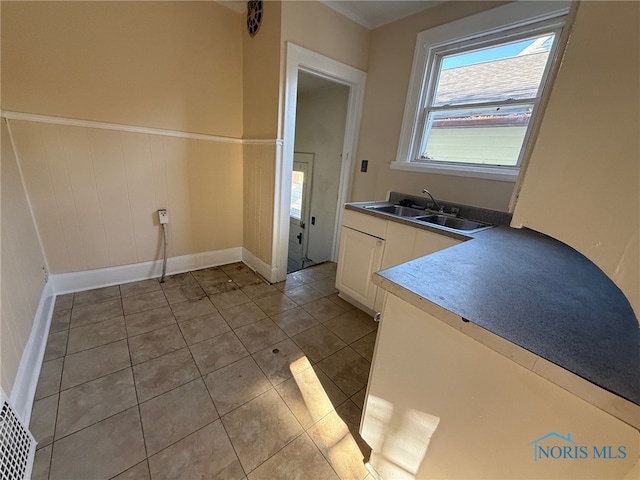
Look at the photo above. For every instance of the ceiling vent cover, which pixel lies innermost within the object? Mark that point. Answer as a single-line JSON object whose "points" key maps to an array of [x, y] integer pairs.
{"points": [[17, 445]]}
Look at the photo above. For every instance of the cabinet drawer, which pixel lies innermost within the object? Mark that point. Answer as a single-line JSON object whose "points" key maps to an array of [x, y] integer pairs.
{"points": [[365, 223]]}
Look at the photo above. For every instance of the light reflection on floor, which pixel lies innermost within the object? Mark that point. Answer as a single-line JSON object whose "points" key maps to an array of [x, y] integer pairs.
{"points": [[399, 438], [331, 433]]}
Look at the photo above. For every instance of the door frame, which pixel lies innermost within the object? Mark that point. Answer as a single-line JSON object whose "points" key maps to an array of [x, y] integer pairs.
{"points": [[299, 58]]}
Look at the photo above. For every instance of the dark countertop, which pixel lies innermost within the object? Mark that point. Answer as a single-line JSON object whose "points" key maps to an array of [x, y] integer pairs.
{"points": [[539, 294]]}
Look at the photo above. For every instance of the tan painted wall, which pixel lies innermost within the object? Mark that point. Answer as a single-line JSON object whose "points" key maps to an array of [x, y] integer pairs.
{"points": [[95, 194], [173, 65], [315, 26], [261, 75], [583, 182], [388, 72], [22, 262], [261, 84]]}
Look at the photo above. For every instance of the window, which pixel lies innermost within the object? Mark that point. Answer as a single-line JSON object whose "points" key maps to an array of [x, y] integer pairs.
{"points": [[473, 97], [297, 185]]}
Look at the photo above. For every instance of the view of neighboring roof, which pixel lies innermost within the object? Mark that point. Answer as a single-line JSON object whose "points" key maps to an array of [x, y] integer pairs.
{"points": [[515, 77]]}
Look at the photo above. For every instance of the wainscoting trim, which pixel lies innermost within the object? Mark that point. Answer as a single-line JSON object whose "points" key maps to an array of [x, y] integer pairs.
{"points": [[73, 122]]}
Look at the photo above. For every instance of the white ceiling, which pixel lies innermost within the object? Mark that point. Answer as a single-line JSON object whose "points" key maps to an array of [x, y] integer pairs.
{"points": [[309, 83], [374, 14], [368, 13]]}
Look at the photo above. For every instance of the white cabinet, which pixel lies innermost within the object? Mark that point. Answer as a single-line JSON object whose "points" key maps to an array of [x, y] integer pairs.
{"points": [[404, 243], [360, 256], [369, 244], [401, 240], [430, 242]]}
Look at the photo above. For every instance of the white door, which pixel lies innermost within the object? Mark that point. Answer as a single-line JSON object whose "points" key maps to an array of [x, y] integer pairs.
{"points": [[301, 181]]}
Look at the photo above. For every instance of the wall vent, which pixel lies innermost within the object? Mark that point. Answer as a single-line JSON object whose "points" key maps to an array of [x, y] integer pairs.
{"points": [[17, 445]]}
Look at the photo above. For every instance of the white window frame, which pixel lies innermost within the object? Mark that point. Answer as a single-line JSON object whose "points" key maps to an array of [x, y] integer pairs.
{"points": [[492, 23]]}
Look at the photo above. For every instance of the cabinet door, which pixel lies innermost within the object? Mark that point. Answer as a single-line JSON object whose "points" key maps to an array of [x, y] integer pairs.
{"points": [[400, 240], [360, 256]]}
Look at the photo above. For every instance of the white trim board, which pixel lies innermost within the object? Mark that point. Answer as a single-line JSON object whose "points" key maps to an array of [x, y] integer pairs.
{"points": [[31, 117], [299, 58], [105, 277], [267, 271], [23, 391]]}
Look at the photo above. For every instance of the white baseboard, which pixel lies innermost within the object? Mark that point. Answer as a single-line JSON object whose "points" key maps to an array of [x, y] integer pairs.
{"points": [[24, 387], [267, 271], [105, 277]]}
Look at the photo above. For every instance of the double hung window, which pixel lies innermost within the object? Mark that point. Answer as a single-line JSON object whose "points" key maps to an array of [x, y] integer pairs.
{"points": [[473, 97]]}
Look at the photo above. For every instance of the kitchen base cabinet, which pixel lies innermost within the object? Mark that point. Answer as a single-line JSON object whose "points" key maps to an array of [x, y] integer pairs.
{"points": [[440, 404], [369, 244], [404, 243], [360, 256]]}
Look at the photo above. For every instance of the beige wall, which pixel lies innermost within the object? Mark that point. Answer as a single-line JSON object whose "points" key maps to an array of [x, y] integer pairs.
{"points": [[315, 26], [173, 65], [388, 72], [261, 86], [261, 75], [583, 182], [95, 194], [22, 276]]}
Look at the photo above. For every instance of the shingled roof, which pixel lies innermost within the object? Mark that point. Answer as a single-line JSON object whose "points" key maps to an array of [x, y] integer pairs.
{"points": [[514, 77]]}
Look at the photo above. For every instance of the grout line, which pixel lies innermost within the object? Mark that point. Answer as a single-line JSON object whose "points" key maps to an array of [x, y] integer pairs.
{"points": [[95, 378], [95, 423], [304, 432], [135, 389], [226, 432], [182, 438]]}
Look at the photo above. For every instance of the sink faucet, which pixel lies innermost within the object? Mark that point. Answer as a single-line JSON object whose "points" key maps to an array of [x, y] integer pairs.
{"points": [[438, 206]]}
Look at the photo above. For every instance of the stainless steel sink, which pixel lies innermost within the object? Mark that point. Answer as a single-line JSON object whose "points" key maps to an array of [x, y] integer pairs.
{"points": [[429, 217], [452, 222], [397, 210]]}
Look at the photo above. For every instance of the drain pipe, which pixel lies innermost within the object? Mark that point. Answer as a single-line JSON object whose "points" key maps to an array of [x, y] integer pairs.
{"points": [[164, 220]]}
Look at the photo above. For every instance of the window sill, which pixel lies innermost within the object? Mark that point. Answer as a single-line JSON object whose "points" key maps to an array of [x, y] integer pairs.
{"points": [[502, 174]]}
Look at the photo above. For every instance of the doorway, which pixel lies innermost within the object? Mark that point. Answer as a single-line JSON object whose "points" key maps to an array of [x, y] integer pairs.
{"points": [[319, 138], [299, 212], [302, 59]]}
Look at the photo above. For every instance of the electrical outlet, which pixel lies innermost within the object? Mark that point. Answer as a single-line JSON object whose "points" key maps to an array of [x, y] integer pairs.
{"points": [[163, 216]]}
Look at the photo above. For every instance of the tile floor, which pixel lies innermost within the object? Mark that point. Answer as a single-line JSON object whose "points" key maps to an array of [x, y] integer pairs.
{"points": [[213, 374]]}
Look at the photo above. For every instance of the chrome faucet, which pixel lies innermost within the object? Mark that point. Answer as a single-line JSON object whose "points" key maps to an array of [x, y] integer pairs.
{"points": [[438, 206]]}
